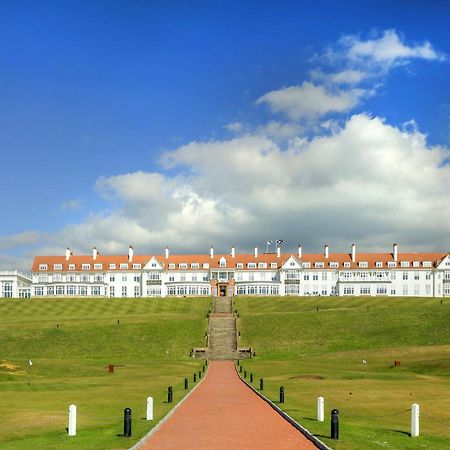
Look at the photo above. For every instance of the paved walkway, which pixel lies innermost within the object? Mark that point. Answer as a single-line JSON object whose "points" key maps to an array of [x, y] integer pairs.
{"points": [[223, 413]]}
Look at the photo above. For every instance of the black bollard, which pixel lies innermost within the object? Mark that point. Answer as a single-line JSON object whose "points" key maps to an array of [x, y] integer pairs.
{"points": [[245, 374], [195, 377], [261, 384], [206, 362], [127, 422], [335, 424], [251, 378], [281, 394], [169, 394], [203, 368], [240, 368], [199, 374], [185, 383], [238, 362]]}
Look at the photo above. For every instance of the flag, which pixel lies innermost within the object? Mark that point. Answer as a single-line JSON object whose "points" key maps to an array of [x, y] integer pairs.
{"points": [[30, 363], [279, 241], [269, 242]]}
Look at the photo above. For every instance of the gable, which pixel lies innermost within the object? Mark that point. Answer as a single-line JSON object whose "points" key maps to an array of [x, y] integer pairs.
{"points": [[292, 263], [153, 264]]}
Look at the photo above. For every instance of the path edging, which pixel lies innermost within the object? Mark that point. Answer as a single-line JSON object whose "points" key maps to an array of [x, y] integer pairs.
{"points": [[316, 441], [167, 416]]}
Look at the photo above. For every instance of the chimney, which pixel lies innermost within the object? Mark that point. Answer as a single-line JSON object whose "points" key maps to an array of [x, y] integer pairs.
{"points": [[233, 253], [299, 251], [130, 254], [94, 253], [325, 251], [256, 252], [278, 251], [167, 252], [395, 252], [353, 253], [68, 253], [211, 252]]}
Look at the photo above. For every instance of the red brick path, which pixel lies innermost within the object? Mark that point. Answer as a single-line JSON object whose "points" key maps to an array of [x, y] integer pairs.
{"points": [[223, 413]]}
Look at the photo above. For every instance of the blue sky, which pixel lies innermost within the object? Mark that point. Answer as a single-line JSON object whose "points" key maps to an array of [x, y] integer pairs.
{"points": [[166, 116]]}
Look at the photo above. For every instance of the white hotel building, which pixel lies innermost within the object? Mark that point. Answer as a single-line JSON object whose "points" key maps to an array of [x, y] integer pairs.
{"points": [[326, 273]]}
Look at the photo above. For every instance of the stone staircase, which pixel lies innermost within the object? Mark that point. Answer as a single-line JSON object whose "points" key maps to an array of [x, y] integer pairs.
{"points": [[222, 335]]}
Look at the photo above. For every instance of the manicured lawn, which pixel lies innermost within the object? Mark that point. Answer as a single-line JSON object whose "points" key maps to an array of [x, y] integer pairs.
{"points": [[319, 353], [71, 343]]}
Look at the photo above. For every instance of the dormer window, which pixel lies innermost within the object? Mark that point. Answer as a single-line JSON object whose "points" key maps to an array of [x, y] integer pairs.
{"points": [[404, 264], [334, 265], [112, 266], [57, 266], [195, 266], [416, 264], [136, 266], [71, 266], [206, 265], [262, 265], [318, 265], [306, 265], [427, 264], [392, 264], [182, 266], [251, 265], [347, 265], [98, 266], [43, 267], [363, 264], [123, 265], [85, 267], [171, 266], [273, 265], [239, 266], [379, 264]]}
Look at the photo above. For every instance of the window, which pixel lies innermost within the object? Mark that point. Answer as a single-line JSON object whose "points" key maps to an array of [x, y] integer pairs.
{"points": [[124, 278], [98, 278], [315, 276], [393, 291], [334, 265], [416, 275], [363, 264], [136, 291], [85, 267], [428, 289], [404, 264], [171, 266], [123, 265], [251, 265], [154, 264], [379, 264], [71, 266], [416, 289], [427, 264], [98, 266], [346, 265], [95, 290], [428, 276], [239, 266], [206, 265], [57, 266], [393, 273], [405, 275], [51, 290], [306, 276], [71, 277], [137, 266], [223, 263], [59, 290], [124, 291], [195, 266], [324, 276], [392, 264], [381, 290], [137, 278], [405, 289], [171, 277], [348, 290], [153, 275], [71, 290], [56, 277], [365, 290], [112, 266], [273, 265], [262, 265], [183, 277], [194, 277], [319, 265], [39, 291], [111, 291], [416, 264], [7, 289], [182, 266], [43, 267], [112, 278], [251, 277]]}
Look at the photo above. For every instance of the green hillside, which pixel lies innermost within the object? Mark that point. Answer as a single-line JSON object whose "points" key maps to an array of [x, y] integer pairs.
{"points": [[315, 347], [71, 342]]}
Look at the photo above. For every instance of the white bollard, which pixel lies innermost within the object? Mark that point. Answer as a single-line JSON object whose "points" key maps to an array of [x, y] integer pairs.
{"points": [[414, 420], [72, 420], [149, 408], [320, 409]]}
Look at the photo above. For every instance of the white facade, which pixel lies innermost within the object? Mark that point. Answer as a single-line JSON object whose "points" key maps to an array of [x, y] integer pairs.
{"points": [[353, 273], [14, 284]]}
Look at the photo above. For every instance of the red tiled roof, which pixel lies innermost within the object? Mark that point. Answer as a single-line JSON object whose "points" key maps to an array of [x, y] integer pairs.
{"points": [[340, 258]]}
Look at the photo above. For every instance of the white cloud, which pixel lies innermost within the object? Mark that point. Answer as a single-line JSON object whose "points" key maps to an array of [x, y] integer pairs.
{"points": [[309, 100], [388, 49], [367, 182], [234, 127], [348, 76], [71, 204]]}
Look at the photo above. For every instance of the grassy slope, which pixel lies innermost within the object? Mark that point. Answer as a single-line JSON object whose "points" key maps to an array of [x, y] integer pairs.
{"points": [[150, 344], [314, 353]]}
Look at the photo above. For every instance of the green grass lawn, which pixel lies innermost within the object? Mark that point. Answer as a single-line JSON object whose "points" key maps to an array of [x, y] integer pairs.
{"points": [[71, 342], [319, 353]]}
